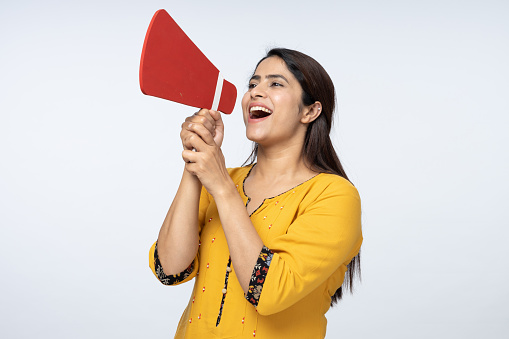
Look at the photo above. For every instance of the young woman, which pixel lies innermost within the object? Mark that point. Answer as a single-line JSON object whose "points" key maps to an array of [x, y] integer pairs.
{"points": [[269, 243]]}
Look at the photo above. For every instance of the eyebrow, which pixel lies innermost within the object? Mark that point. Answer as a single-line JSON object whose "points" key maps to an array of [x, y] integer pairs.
{"points": [[270, 76]]}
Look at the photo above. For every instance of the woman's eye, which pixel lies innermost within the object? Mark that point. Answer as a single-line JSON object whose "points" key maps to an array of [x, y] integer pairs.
{"points": [[276, 84], [251, 85]]}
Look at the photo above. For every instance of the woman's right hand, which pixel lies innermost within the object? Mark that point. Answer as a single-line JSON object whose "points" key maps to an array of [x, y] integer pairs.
{"points": [[204, 123], [203, 133]]}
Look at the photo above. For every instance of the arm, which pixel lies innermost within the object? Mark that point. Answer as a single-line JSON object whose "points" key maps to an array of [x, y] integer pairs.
{"points": [[177, 244], [243, 241], [208, 165], [317, 246]]}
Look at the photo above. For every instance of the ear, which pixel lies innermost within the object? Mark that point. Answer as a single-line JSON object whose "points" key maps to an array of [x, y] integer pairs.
{"points": [[311, 112]]}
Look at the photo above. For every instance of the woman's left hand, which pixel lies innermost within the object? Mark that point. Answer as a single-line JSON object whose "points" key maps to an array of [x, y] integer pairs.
{"points": [[207, 161]]}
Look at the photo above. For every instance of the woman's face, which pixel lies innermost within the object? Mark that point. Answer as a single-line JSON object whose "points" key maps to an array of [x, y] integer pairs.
{"points": [[272, 105]]}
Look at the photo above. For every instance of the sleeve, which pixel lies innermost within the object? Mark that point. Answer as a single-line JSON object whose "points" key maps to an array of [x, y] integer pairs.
{"points": [[321, 239], [190, 272]]}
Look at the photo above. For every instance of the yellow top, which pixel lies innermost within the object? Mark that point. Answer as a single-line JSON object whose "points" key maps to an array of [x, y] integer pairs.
{"points": [[313, 230]]}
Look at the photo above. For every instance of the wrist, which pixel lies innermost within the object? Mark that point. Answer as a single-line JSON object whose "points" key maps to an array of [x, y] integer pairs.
{"points": [[191, 179], [225, 191]]}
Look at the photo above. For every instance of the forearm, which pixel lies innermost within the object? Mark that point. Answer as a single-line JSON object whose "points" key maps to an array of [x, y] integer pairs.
{"points": [[244, 242], [178, 238]]}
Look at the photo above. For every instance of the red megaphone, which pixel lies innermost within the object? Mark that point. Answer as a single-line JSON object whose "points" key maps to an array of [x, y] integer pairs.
{"points": [[173, 68]]}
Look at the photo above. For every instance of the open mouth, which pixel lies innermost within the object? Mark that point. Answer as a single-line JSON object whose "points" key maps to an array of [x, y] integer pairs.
{"points": [[258, 112]]}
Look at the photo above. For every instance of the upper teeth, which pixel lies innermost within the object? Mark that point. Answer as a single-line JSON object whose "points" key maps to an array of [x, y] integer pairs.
{"points": [[260, 108]]}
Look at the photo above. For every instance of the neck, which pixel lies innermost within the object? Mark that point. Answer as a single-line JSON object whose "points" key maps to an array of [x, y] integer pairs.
{"points": [[281, 162]]}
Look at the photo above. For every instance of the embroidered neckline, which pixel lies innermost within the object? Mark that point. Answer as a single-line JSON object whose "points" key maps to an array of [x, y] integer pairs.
{"points": [[278, 195]]}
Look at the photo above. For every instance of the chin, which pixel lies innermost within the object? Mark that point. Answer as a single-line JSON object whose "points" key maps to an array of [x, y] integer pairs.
{"points": [[253, 136]]}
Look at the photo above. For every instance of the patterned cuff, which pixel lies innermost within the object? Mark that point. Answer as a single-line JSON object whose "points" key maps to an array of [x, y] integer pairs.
{"points": [[258, 277], [170, 279]]}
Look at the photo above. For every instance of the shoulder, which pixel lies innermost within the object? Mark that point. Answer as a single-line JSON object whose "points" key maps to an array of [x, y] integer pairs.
{"points": [[333, 201], [329, 194], [332, 184]]}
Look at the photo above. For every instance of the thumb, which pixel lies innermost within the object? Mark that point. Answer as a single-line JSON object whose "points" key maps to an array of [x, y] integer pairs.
{"points": [[219, 128], [216, 115], [218, 119]]}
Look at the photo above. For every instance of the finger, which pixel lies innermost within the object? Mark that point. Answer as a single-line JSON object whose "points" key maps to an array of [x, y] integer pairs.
{"points": [[193, 168], [189, 156], [218, 120], [207, 114], [203, 132], [215, 115], [191, 131], [185, 136], [209, 122], [192, 140]]}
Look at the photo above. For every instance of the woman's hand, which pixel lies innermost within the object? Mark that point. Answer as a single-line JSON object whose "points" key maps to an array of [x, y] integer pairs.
{"points": [[203, 132], [200, 121]]}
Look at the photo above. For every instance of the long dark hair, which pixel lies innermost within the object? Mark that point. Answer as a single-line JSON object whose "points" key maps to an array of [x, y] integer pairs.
{"points": [[318, 150]]}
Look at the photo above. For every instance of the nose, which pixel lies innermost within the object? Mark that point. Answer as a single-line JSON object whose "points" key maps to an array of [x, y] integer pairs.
{"points": [[258, 91]]}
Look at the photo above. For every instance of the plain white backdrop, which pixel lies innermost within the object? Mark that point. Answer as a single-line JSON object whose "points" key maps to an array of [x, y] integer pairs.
{"points": [[89, 165]]}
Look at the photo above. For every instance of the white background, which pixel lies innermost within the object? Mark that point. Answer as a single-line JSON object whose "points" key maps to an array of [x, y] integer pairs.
{"points": [[89, 165]]}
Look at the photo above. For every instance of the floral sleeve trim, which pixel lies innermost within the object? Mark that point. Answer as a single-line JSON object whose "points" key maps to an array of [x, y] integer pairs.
{"points": [[170, 279], [258, 277]]}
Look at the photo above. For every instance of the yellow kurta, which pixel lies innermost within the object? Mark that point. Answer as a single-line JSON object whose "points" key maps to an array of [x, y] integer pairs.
{"points": [[314, 231]]}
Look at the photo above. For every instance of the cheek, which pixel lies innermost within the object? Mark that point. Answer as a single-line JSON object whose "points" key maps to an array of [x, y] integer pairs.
{"points": [[244, 103], [290, 104]]}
